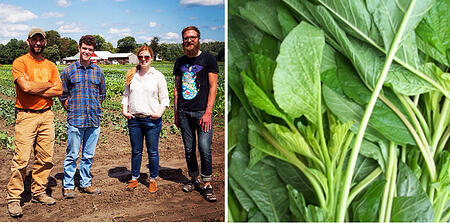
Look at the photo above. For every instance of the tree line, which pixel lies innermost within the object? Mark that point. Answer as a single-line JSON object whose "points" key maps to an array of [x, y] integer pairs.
{"points": [[60, 47]]}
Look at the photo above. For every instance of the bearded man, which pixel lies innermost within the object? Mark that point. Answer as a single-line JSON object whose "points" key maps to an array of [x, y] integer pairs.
{"points": [[37, 81], [194, 95]]}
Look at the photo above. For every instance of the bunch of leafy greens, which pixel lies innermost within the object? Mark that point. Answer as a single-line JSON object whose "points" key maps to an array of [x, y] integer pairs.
{"points": [[339, 110]]}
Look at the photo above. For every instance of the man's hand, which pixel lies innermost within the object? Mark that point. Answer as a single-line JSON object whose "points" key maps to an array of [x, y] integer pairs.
{"points": [[205, 122]]}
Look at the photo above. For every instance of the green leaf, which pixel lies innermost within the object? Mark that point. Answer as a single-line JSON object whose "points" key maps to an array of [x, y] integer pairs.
{"points": [[236, 84], [293, 176], [364, 166], [434, 33], [244, 200], [411, 203], [383, 118], [296, 79], [258, 142], [412, 209], [286, 19], [365, 208], [347, 110], [291, 140], [263, 68], [259, 98], [263, 186], [388, 15], [373, 151], [303, 212], [262, 14]]}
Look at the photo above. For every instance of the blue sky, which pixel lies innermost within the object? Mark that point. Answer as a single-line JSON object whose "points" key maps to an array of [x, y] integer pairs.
{"points": [[113, 19]]}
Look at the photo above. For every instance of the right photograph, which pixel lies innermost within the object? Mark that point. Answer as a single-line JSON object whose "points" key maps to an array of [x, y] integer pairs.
{"points": [[338, 111]]}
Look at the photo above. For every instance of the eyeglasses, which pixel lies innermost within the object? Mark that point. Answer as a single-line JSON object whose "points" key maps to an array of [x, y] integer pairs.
{"points": [[190, 38], [142, 57]]}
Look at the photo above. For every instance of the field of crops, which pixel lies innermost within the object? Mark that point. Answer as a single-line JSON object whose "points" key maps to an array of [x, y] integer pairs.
{"points": [[112, 117]]}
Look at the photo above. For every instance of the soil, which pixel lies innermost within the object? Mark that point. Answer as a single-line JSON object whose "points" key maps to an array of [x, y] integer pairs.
{"points": [[111, 171]]}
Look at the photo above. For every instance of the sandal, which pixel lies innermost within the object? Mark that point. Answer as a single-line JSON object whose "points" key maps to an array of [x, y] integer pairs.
{"points": [[209, 193], [190, 186]]}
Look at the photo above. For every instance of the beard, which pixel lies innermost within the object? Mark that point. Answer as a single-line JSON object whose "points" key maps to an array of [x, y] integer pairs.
{"points": [[36, 52], [191, 52]]}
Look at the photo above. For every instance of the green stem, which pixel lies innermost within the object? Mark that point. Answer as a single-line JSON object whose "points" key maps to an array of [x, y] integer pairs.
{"points": [[443, 142], [385, 200], [300, 165], [441, 125], [342, 207], [392, 186], [418, 115], [373, 43], [363, 184], [446, 217], [439, 206]]}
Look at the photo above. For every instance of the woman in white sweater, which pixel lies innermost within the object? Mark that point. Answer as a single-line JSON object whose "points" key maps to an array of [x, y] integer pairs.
{"points": [[143, 102]]}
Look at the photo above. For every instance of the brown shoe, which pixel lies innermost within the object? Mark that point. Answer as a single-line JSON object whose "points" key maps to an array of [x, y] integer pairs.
{"points": [[43, 199], [68, 194], [132, 184], [14, 209], [90, 190], [152, 187]]}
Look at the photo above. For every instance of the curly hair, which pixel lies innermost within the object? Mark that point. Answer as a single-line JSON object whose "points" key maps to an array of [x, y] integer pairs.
{"points": [[88, 40]]}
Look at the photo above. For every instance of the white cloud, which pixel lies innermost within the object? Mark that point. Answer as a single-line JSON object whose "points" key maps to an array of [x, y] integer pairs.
{"points": [[216, 27], [13, 30], [207, 40], [4, 42], [63, 3], [202, 2], [59, 23], [127, 11], [122, 32], [152, 24], [121, 0], [146, 38], [193, 18], [171, 36], [14, 14], [84, 0], [70, 28], [53, 14]]}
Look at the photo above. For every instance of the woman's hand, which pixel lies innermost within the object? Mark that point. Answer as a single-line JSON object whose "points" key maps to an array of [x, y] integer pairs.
{"points": [[127, 115]]}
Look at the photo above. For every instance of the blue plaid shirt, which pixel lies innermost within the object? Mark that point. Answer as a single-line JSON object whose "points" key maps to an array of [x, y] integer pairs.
{"points": [[84, 88]]}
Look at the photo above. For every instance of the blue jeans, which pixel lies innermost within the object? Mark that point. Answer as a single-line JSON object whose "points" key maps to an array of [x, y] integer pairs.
{"points": [[190, 126], [150, 129], [75, 136]]}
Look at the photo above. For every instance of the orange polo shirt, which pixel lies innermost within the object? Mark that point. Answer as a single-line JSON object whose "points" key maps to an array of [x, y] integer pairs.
{"points": [[39, 71]]}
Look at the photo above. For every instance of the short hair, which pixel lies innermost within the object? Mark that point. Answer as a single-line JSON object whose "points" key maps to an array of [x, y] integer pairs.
{"points": [[88, 40], [190, 28]]}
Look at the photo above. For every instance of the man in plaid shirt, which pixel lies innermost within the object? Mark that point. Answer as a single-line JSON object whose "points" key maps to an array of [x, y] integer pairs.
{"points": [[83, 93]]}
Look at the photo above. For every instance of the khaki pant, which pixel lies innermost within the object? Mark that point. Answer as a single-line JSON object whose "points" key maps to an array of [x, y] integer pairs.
{"points": [[33, 132]]}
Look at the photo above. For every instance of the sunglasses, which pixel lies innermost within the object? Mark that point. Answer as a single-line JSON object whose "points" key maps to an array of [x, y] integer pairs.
{"points": [[190, 38], [142, 57]]}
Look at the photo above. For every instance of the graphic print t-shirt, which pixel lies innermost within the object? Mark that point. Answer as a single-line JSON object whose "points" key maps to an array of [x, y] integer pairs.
{"points": [[193, 95]]}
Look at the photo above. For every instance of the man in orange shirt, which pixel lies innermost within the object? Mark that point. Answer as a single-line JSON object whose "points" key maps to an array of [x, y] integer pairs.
{"points": [[37, 81]]}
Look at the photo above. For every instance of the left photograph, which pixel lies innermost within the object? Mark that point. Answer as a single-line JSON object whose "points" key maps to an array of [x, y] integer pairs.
{"points": [[112, 113]]}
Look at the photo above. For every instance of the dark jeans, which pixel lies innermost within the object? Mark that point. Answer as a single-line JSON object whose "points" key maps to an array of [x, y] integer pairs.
{"points": [[150, 129], [189, 126]]}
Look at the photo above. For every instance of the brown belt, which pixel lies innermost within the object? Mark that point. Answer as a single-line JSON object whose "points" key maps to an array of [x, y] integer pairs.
{"points": [[33, 111], [141, 116]]}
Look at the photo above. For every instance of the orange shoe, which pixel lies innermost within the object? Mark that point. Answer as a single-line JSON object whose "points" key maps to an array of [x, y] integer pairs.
{"points": [[152, 187], [132, 184]]}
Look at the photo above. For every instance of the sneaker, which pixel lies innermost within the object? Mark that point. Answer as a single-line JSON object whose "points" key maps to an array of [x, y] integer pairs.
{"points": [[68, 194], [190, 186], [152, 187], [132, 184], [14, 209], [90, 190], [43, 199], [209, 193]]}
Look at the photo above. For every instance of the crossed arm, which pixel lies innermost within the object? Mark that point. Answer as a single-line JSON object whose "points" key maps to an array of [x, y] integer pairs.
{"points": [[45, 89]]}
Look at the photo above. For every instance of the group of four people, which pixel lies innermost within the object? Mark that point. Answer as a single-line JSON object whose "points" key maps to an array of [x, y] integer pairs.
{"points": [[81, 90]]}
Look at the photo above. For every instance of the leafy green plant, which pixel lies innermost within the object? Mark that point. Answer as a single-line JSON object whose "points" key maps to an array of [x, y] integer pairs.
{"points": [[6, 142], [339, 111]]}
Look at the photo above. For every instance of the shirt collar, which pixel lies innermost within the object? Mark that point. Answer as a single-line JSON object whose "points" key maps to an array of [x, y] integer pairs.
{"points": [[78, 64]]}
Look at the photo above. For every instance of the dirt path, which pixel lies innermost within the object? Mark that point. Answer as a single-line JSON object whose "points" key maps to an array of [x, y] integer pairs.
{"points": [[111, 170]]}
